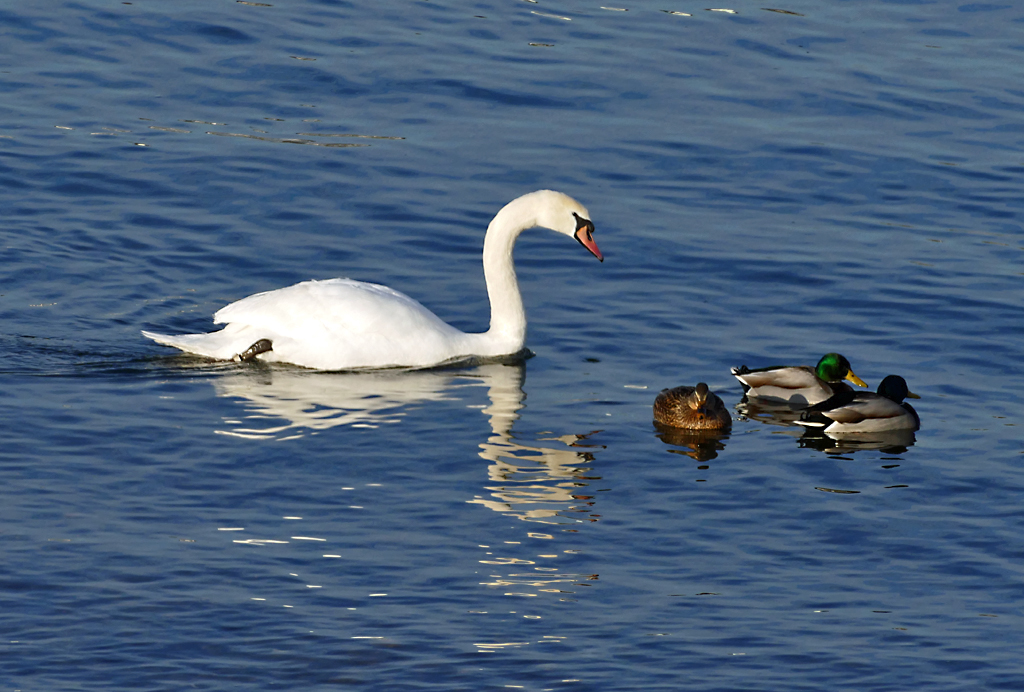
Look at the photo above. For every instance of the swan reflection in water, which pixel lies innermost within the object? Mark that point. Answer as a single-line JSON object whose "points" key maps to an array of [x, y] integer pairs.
{"points": [[543, 482], [294, 402], [535, 482], [539, 484]]}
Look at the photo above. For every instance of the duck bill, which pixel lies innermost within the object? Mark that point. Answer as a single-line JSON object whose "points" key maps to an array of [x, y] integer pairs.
{"points": [[911, 395], [585, 236], [856, 380]]}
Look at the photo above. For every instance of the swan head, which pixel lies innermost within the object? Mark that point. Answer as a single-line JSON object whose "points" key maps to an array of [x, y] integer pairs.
{"points": [[561, 213]]}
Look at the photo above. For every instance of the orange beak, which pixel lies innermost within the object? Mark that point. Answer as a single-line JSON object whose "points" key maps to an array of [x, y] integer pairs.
{"points": [[585, 234]]}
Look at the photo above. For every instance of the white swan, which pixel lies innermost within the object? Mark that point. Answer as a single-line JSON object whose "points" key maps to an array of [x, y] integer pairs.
{"points": [[341, 324]]}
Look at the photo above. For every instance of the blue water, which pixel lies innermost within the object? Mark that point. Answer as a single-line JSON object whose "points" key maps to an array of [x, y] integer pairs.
{"points": [[766, 186]]}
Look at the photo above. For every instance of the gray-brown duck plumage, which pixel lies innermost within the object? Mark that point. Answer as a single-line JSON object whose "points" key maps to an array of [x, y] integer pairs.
{"points": [[693, 408]]}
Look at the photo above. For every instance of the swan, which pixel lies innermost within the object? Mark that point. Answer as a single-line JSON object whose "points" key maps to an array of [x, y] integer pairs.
{"points": [[341, 324]]}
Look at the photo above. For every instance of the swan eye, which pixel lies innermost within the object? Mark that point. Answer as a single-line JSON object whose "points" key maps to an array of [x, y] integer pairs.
{"points": [[583, 223]]}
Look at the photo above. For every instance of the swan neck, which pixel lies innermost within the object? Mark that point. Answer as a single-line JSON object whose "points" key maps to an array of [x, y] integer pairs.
{"points": [[508, 318]]}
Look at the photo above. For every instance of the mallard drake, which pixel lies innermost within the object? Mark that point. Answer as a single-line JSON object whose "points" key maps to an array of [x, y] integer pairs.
{"points": [[692, 408], [799, 384], [863, 412]]}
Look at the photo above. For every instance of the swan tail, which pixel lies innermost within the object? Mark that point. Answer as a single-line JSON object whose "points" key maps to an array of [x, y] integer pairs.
{"points": [[217, 345]]}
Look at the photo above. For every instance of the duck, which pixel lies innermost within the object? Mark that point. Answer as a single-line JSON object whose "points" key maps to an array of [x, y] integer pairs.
{"points": [[866, 412], [691, 408], [799, 385], [343, 324]]}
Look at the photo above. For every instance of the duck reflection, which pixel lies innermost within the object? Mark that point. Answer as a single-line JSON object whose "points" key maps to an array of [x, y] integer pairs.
{"points": [[703, 445], [781, 414], [769, 412], [888, 441]]}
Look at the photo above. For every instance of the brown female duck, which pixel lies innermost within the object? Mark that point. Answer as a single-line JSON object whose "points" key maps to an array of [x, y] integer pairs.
{"points": [[692, 408]]}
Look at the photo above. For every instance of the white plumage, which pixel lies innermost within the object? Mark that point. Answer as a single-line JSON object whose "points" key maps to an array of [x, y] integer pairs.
{"points": [[342, 324]]}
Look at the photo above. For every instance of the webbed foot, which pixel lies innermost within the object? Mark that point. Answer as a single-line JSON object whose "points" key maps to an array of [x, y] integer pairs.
{"points": [[261, 346]]}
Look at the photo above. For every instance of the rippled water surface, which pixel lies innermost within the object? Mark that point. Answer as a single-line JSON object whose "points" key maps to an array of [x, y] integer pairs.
{"points": [[767, 184]]}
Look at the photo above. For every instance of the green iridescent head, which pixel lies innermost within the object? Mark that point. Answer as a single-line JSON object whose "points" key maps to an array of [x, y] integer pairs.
{"points": [[835, 368]]}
